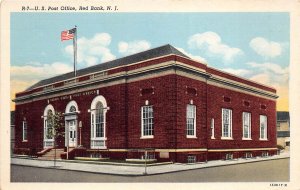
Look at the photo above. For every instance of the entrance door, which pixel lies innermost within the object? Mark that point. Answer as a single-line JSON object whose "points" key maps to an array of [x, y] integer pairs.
{"points": [[72, 133]]}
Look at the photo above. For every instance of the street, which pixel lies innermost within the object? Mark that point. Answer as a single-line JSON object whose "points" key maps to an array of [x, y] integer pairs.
{"points": [[264, 171]]}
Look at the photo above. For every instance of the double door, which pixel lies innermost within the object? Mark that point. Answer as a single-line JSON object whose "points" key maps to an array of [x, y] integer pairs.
{"points": [[72, 137]]}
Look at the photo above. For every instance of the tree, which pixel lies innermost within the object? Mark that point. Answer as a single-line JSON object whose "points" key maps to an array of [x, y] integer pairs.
{"points": [[56, 131]]}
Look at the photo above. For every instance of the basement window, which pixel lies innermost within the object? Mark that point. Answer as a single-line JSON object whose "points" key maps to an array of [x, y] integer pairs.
{"points": [[191, 159], [148, 156], [248, 155], [265, 154], [228, 156]]}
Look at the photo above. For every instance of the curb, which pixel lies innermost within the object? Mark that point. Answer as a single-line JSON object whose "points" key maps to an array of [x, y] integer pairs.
{"points": [[99, 162], [154, 173]]}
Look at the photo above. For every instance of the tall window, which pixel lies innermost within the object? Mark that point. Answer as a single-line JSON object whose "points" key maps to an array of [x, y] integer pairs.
{"points": [[246, 125], [263, 127], [212, 126], [49, 125], [147, 121], [191, 120], [98, 122], [24, 130], [226, 123]]}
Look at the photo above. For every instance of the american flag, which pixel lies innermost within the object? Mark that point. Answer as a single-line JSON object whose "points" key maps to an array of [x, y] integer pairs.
{"points": [[68, 34]]}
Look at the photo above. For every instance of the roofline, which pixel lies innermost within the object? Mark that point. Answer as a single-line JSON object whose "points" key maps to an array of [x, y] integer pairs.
{"points": [[117, 67], [243, 78]]}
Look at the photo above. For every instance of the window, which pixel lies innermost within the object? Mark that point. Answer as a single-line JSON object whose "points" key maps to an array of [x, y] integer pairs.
{"points": [[98, 122], [226, 123], [24, 130], [263, 127], [191, 159], [265, 154], [147, 121], [191, 120], [49, 125], [212, 126], [246, 125], [72, 109], [228, 156], [148, 156], [248, 155]]}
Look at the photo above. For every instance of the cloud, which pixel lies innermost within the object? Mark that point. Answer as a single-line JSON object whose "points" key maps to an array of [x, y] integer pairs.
{"points": [[195, 57], [274, 75], [270, 73], [239, 72], [26, 75], [128, 48], [272, 67], [38, 71], [265, 47], [92, 51], [211, 44]]}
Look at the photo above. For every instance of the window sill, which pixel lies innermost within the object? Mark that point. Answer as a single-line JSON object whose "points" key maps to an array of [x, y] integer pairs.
{"points": [[99, 147], [147, 137], [226, 138], [25, 141], [99, 139], [246, 139], [191, 137], [263, 139], [212, 138]]}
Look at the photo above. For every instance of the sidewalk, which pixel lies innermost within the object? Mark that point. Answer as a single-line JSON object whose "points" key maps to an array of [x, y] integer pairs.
{"points": [[132, 170]]}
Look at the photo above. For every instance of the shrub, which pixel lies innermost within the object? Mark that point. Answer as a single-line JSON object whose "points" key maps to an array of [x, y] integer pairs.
{"points": [[280, 147]]}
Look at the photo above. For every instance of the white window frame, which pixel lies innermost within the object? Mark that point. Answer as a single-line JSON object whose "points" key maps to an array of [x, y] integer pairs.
{"points": [[263, 118], [229, 136], [47, 143], [98, 142], [149, 119], [244, 115], [212, 126], [25, 131], [193, 110]]}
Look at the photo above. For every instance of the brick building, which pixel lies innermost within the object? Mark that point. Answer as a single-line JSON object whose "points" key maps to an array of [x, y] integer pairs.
{"points": [[160, 99], [283, 129]]}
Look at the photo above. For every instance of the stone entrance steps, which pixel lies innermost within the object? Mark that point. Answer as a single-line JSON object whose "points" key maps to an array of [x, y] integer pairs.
{"points": [[51, 154]]}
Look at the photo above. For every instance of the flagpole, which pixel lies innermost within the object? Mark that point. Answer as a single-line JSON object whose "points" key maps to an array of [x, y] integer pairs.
{"points": [[75, 51]]}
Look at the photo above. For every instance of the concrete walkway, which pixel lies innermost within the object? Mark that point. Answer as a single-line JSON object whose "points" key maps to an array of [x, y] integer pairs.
{"points": [[133, 170]]}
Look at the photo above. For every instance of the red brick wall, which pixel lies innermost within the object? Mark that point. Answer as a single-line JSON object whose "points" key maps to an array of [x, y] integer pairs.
{"points": [[216, 103], [199, 100], [163, 102]]}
